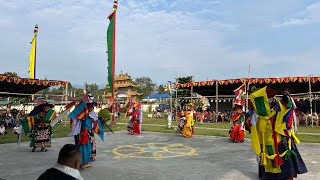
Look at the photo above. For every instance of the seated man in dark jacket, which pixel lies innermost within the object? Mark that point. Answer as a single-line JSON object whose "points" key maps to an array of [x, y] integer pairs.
{"points": [[67, 167]]}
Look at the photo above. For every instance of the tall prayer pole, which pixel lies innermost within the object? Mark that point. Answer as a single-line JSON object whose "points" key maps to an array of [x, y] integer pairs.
{"points": [[113, 122], [33, 55], [111, 45]]}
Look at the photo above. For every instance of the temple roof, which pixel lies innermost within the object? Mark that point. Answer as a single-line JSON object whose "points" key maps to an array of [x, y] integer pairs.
{"points": [[129, 92], [122, 76], [125, 85]]}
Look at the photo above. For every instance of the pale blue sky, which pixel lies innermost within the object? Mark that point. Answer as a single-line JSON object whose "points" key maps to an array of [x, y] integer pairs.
{"points": [[163, 39]]}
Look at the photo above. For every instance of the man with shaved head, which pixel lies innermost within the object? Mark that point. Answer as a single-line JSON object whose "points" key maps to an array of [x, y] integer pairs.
{"points": [[67, 165]]}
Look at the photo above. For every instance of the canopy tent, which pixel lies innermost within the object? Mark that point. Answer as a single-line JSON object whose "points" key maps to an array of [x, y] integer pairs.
{"points": [[24, 87], [295, 85], [157, 96]]}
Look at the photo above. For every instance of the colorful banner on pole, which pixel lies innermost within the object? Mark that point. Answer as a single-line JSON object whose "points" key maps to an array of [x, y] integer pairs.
{"points": [[32, 70], [110, 46], [240, 93], [169, 86]]}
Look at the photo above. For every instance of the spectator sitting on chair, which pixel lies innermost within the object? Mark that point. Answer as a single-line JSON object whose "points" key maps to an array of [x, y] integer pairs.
{"points": [[2, 130], [68, 164]]}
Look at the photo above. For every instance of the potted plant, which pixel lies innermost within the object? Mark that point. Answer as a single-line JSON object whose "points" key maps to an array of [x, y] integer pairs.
{"points": [[104, 116]]}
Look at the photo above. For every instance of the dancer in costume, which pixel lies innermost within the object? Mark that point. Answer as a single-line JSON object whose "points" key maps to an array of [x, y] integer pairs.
{"points": [[135, 118], [182, 122], [236, 133], [85, 123], [273, 135], [37, 124], [188, 129]]}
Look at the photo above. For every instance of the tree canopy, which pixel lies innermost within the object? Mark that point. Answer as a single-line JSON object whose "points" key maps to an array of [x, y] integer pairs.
{"points": [[146, 85], [12, 74], [184, 92], [162, 90]]}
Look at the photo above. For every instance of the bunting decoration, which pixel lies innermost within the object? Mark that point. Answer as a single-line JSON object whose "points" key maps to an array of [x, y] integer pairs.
{"points": [[25, 81], [251, 81]]}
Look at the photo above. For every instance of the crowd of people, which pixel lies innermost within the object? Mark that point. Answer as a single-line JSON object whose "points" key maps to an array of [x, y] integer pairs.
{"points": [[9, 124], [210, 116], [269, 120], [306, 119]]}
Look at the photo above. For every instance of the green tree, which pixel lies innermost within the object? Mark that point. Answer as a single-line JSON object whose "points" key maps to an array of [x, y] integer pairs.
{"points": [[161, 89], [61, 90], [93, 89], [184, 92], [12, 74], [146, 86]]}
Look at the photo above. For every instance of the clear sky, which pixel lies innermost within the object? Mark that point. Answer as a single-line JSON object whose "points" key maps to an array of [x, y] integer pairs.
{"points": [[163, 39]]}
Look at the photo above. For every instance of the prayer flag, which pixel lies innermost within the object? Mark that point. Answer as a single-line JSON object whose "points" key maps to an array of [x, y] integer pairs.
{"points": [[240, 90], [111, 49]]}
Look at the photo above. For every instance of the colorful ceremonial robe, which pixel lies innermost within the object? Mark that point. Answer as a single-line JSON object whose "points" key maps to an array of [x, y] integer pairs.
{"points": [[85, 123], [237, 130], [38, 125], [273, 138], [188, 126], [135, 122]]}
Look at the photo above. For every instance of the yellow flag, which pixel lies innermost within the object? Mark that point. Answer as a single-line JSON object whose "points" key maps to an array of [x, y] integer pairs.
{"points": [[32, 57]]}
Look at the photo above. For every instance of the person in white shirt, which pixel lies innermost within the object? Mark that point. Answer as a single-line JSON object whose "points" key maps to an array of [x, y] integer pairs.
{"points": [[15, 129], [8, 121], [2, 130]]}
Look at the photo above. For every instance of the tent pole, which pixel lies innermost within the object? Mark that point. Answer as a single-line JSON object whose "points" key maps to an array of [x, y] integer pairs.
{"points": [[217, 103], [247, 90], [176, 106], [310, 100], [191, 92]]}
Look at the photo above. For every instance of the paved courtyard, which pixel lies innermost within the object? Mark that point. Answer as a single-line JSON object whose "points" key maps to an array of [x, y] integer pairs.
{"points": [[152, 156]]}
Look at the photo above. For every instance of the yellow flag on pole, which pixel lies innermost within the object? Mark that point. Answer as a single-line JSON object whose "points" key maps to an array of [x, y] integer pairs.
{"points": [[33, 53], [32, 57]]}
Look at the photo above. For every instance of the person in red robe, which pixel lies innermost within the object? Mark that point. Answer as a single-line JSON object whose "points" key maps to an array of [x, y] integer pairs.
{"points": [[135, 114], [237, 129]]}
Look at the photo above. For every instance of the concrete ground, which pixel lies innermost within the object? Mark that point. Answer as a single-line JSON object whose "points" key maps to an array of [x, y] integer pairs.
{"points": [[153, 156]]}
